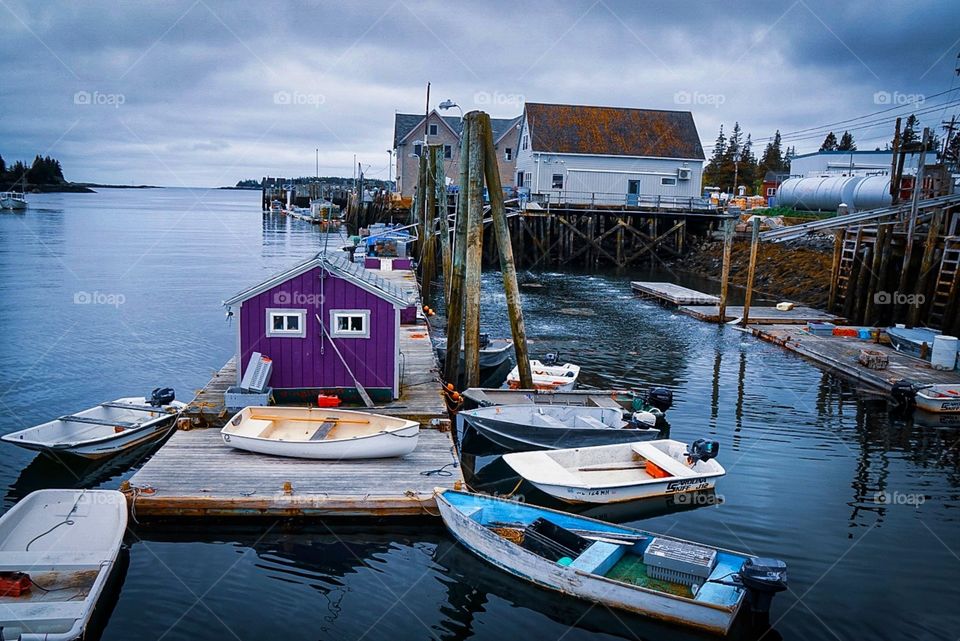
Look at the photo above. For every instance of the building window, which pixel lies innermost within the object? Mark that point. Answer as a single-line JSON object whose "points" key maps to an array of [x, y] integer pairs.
{"points": [[508, 154], [557, 181], [447, 152], [528, 179], [519, 179], [350, 323], [525, 143], [286, 323], [418, 149], [433, 130], [668, 181], [771, 191]]}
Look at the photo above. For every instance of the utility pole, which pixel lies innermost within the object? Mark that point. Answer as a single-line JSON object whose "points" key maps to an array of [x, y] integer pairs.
{"points": [[912, 223], [894, 186]]}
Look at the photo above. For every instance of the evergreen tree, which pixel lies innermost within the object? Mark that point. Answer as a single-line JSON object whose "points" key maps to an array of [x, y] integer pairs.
{"points": [[829, 143], [712, 172], [846, 142], [772, 159], [748, 168], [909, 134], [3, 166]]}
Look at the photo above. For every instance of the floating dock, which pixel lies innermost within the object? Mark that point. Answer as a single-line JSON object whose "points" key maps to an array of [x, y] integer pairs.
{"points": [[762, 315], [194, 474], [840, 355], [670, 294]]}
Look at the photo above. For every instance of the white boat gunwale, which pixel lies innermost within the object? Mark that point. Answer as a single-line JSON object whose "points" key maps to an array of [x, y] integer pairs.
{"points": [[408, 425]]}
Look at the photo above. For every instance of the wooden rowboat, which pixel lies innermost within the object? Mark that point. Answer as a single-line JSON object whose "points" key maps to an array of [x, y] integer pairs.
{"points": [[621, 472], [101, 431], [615, 566], [57, 550], [320, 433]]}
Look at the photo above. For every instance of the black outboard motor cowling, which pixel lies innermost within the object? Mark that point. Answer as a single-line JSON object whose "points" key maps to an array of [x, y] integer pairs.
{"points": [[161, 396], [763, 578], [661, 398], [484, 340], [702, 450], [904, 393], [551, 359]]}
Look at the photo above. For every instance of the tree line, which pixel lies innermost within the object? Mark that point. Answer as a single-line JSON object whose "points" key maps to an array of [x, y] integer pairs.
{"points": [[44, 170]]}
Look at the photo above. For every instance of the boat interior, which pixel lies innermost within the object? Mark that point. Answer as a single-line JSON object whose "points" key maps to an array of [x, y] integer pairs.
{"points": [[276, 425], [579, 417], [609, 551], [646, 461], [106, 419]]}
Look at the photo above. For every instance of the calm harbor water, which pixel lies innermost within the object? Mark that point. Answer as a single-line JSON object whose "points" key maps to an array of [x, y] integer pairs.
{"points": [[111, 294]]}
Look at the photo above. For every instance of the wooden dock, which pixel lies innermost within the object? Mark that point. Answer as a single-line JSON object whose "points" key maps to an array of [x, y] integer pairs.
{"points": [[762, 315], [670, 294], [196, 475], [840, 355]]}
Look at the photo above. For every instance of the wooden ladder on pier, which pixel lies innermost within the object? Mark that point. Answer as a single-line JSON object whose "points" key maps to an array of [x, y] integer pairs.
{"points": [[947, 281], [854, 239]]}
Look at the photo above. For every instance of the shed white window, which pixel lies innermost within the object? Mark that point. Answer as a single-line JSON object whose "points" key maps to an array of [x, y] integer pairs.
{"points": [[525, 142], [447, 151], [286, 323], [433, 130], [418, 149], [508, 153], [668, 181], [557, 181], [350, 323]]}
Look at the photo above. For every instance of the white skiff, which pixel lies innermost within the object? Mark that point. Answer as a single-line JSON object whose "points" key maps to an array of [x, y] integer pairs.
{"points": [[101, 431], [320, 433], [557, 378], [60, 547], [940, 399], [620, 472]]}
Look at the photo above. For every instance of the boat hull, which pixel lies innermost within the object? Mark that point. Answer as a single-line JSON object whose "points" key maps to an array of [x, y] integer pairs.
{"points": [[99, 518], [399, 443], [519, 437], [494, 355], [103, 447], [928, 402], [580, 495], [526, 565]]}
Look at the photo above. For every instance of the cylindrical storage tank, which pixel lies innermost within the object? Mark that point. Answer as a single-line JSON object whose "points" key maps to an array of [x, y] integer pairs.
{"points": [[820, 193], [872, 192], [944, 354]]}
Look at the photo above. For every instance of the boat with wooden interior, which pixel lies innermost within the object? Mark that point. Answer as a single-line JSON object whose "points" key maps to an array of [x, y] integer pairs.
{"points": [[547, 376], [619, 567], [57, 551], [620, 472], [939, 399], [320, 433]]}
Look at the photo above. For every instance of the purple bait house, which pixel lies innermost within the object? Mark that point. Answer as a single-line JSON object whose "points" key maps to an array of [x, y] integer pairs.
{"points": [[302, 317]]}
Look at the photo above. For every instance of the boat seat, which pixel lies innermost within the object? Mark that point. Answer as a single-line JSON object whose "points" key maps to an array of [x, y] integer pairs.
{"points": [[41, 612], [48, 561], [323, 431], [549, 421], [254, 427], [590, 421], [598, 558], [662, 460]]}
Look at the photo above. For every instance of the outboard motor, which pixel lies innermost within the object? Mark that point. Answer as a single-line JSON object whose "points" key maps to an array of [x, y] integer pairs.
{"points": [[551, 359], [904, 393], [642, 420], [484, 340], [661, 398], [762, 578], [161, 396], [702, 450]]}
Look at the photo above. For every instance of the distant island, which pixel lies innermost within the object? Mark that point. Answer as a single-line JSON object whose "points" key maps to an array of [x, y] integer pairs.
{"points": [[330, 181], [45, 175]]}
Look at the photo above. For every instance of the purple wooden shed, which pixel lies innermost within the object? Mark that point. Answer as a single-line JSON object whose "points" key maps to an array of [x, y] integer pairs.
{"points": [[301, 317]]}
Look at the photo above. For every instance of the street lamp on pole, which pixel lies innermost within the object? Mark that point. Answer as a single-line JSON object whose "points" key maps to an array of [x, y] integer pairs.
{"points": [[449, 104], [389, 165]]}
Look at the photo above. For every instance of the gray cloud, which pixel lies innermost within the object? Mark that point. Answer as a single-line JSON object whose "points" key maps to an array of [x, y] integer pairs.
{"points": [[206, 93]]}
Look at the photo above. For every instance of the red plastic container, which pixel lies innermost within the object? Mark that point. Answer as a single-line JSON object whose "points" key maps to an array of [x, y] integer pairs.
{"points": [[14, 584], [325, 400]]}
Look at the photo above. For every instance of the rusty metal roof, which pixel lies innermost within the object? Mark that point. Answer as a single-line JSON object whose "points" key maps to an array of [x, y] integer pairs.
{"points": [[613, 131]]}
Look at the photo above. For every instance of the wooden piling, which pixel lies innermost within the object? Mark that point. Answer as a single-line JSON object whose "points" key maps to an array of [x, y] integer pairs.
{"points": [[754, 245], [835, 268], [728, 228], [474, 254], [507, 267], [912, 223], [440, 180], [879, 253], [457, 269], [926, 264]]}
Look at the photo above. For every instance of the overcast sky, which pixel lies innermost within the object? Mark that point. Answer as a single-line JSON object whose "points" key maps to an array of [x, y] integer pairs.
{"points": [[204, 93]]}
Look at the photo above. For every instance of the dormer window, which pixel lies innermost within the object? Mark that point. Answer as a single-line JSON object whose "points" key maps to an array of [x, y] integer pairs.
{"points": [[432, 129]]}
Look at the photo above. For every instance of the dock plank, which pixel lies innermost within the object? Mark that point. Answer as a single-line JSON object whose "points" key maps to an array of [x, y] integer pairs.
{"points": [[762, 315], [196, 474], [840, 354], [669, 293]]}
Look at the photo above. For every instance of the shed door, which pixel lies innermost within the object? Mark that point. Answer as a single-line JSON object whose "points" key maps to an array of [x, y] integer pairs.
{"points": [[633, 192]]}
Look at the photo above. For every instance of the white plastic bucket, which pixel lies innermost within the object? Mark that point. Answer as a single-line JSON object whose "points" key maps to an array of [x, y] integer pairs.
{"points": [[944, 355]]}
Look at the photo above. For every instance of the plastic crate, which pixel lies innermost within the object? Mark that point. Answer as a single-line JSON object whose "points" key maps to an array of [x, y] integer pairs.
{"points": [[236, 399], [679, 562]]}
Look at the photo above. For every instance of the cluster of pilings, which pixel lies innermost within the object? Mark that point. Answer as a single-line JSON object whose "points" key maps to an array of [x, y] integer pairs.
{"points": [[898, 271], [460, 251]]}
